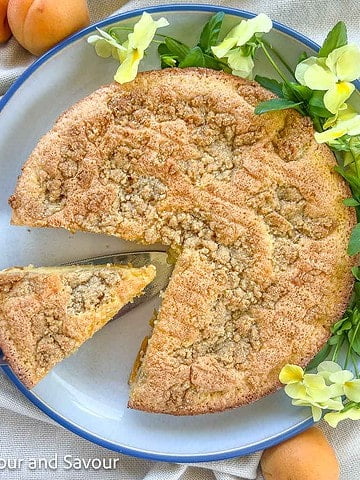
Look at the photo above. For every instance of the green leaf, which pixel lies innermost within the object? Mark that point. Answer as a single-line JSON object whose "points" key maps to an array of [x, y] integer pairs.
{"points": [[356, 272], [195, 58], [354, 143], [353, 180], [351, 202], [275, 104], [357, 291], [354, 339], [270, 84], [289, 93], [211, 62], [179, 49], [303, 56], [354, 242], [334, 339], [336, 38], [317, 107], [301, 92], [210, 33], [163, 49], [338, 325], [340, 144], [320, 357]]}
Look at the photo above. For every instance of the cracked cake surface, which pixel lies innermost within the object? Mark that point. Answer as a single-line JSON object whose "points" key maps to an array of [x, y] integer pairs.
{"points": [[47, 313], [251, 204]]}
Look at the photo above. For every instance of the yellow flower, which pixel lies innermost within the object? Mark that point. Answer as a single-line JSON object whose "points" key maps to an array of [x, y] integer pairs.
{"points": [[138, 41], [242, 33], [333, 418], [314, 390], [332, 74], [347, 123]]}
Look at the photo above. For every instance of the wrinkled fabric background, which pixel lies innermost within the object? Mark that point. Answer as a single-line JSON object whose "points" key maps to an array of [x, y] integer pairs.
{"points": [[27, 433]]}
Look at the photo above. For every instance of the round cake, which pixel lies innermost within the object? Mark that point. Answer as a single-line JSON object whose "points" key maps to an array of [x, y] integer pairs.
{"points": [[251, 205]]}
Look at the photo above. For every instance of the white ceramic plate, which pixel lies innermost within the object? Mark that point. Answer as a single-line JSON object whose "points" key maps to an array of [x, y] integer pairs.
{"points": [[88, 392]]}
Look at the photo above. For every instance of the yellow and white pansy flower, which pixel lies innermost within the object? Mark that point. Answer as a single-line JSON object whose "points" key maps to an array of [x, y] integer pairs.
{"points": [[332, 74], [333, 418], [138, 41], [242, 33]]}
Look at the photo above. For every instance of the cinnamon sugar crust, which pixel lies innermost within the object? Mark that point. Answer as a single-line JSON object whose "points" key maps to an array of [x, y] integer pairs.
{"points": [[251, 202]]}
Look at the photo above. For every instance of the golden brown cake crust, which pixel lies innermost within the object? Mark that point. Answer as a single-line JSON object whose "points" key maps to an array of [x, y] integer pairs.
{"points": [[179, 157], [48, 313]]}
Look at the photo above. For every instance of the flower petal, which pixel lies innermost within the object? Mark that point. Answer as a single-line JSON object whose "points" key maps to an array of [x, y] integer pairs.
{"points": [[128, 69], [103, 48], [316, 413], [333, 418], [242, 33], [314, 380], [354, 414], [330, 122], [352, 390], [354, 126], [296, 390], [305, 402], [241, 65], [336, 390], [336, 96], [144, 31], [329, 135], [319, 395], [291, 374], [345, 62], [328, 366], [302, 67], [221, 50], [259, 24], [333, 404], [319, 77], [93, 39], [341, 376]]}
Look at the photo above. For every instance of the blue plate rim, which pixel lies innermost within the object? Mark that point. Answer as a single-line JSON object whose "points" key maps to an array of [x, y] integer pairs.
{"points": [[241, 451]]}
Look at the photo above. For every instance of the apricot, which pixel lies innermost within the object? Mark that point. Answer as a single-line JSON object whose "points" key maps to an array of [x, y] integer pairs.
{"points": [[5, 32], [308, 456], [40, 24]]}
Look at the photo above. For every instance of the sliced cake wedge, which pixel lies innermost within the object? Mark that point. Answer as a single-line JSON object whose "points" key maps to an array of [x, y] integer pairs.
{"points": [[47, 313]]}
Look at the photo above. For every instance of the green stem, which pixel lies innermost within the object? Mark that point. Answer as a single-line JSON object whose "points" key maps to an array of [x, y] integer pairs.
{"points": [[277, 54], [354, 336], [354, 362], [347, 358], [268, 56], [337, 348]]}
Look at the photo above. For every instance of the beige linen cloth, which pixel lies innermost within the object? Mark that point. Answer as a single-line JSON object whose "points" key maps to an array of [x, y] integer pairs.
{"points": [[25, 432]]}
